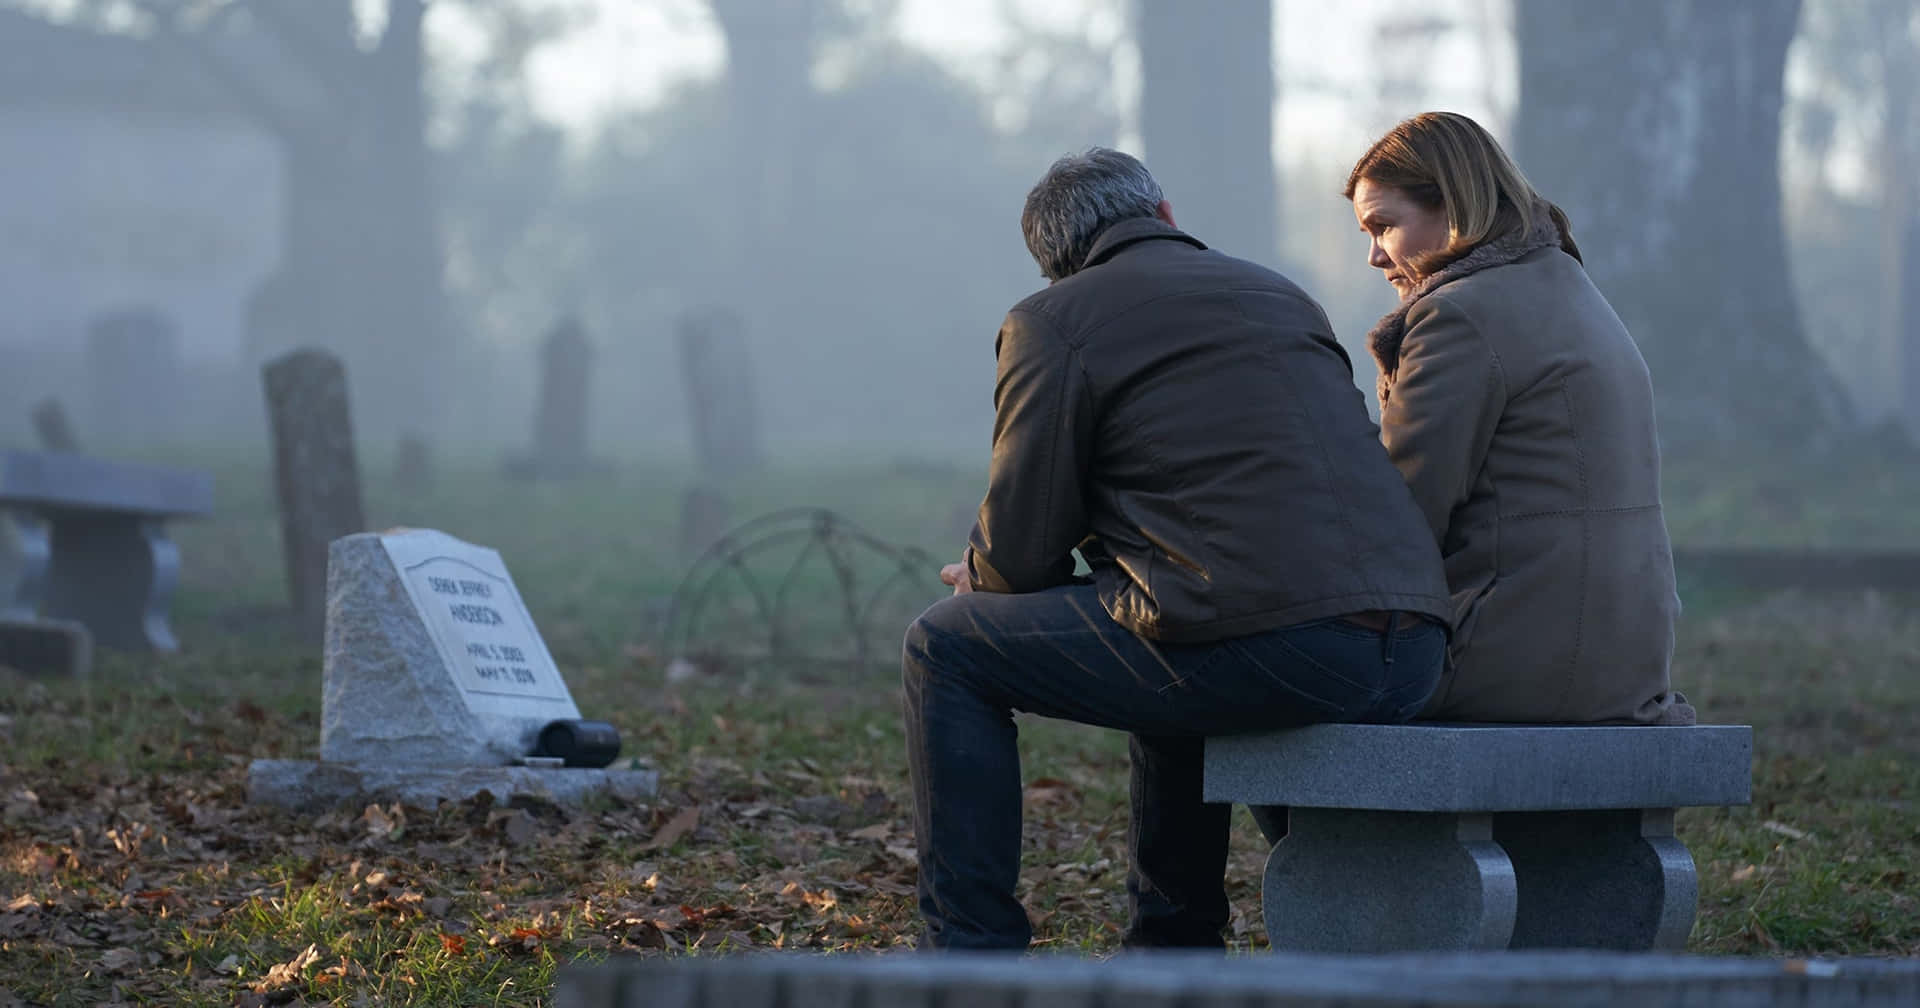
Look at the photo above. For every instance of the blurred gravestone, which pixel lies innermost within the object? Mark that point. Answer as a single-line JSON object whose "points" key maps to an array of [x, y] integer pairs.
{"points": [[412, 466], [133, 373], [719, 388], [317, 479], [560, 417], [55, 431]]}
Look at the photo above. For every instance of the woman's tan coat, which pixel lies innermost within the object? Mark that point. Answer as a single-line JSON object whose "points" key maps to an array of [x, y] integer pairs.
{"points": [[1521, 414]]}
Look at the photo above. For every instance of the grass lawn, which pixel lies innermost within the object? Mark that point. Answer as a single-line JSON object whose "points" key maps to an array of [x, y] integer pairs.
{"points": [[131, 868]]}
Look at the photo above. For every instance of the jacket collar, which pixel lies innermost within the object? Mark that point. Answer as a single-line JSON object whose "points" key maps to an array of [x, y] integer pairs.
{"points": [[1133, 231], [1391, 331]]}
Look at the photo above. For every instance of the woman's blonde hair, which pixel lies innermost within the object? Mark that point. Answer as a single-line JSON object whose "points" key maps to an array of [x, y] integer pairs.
{"points": [[1446, 161]]}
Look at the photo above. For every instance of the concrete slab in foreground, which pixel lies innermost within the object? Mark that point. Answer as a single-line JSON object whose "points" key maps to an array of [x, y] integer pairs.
{"points": [[1278, 980]]}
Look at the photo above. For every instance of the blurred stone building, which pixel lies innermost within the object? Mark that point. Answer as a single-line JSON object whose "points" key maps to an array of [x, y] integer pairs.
{"points": [[133, 191]]}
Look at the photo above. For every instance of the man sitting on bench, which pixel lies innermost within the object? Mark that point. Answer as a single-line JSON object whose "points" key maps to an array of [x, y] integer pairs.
{"points": [[1188, 423]]}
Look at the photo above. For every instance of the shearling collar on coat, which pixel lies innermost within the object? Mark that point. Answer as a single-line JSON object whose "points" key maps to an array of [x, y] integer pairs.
{"points": [[1387, 335]]}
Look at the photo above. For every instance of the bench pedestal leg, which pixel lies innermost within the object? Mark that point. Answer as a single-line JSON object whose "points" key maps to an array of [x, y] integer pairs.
{"points": [[115, 574], [1356, 881], [1608, 879], [23, 571]]}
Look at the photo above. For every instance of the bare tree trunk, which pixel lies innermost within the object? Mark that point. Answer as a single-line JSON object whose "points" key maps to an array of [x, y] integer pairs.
{"points": [[1206, 117], [769, 77], [770, 49], [361, 269], [1899, 210], [1656, 125], [1906, 331], [398, 188]]}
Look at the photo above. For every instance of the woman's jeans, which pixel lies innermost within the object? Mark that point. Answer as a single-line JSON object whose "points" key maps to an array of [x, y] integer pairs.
{"points": [[973, 659]]}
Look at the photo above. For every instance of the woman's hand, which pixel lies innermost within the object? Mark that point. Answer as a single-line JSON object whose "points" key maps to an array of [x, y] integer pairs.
{"points": [[956, 575]]}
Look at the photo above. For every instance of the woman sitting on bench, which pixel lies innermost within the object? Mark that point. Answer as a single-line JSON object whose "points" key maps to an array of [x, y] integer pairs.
{"points": [[1520, 412]]}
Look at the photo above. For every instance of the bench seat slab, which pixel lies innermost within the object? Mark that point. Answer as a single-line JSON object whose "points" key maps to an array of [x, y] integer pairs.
{"points": [[1367, 881], [1434, 767]]}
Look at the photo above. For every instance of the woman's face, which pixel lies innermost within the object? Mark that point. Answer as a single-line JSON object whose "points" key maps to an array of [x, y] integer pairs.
{"points": [[1401, 231]]}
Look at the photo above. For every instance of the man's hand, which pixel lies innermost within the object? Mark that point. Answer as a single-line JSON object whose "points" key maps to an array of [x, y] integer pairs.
{"points": [[956, 575]]}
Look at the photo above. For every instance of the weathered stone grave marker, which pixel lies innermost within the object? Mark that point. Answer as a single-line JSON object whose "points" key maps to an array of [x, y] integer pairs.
{"points": [[559, 448], [315, 473], [435, 681]]}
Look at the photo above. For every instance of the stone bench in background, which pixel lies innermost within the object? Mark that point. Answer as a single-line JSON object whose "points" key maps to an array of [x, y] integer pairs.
{"points": [[90, 543], [1439, 836], [1585, 979]]}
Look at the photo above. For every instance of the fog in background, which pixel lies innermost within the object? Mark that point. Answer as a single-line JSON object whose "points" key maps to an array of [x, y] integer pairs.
{"points": [[189, 189]]}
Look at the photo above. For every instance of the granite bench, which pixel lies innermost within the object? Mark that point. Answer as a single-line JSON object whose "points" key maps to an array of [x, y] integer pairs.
{"points": [[1458, 836], [90, 543]]}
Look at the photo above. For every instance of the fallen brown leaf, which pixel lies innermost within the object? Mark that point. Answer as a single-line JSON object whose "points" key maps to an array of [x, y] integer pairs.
{"points": [[288, 973], [679, 826], [646, 934], [384, 824]]}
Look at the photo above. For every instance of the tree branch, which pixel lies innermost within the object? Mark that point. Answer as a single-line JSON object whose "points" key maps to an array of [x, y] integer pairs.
{"points": [[240, 86], [334, 69]]}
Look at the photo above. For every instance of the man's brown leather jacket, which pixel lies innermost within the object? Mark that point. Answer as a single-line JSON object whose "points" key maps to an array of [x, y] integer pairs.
{"points": [[1187, 421]]}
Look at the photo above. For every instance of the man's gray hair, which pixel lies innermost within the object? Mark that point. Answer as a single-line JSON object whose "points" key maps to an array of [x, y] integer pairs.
{"points": [[1079, 197]]}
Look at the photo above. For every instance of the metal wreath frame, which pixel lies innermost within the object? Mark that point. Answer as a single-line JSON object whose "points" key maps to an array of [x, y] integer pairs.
{"points": [[822, 530]]}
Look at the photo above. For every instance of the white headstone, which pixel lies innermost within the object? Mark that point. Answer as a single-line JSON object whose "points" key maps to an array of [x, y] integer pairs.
{"points": [[431, 657]]}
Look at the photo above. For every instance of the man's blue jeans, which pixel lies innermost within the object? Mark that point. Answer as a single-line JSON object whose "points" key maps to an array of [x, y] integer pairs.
{"points": [[973, 659]]}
